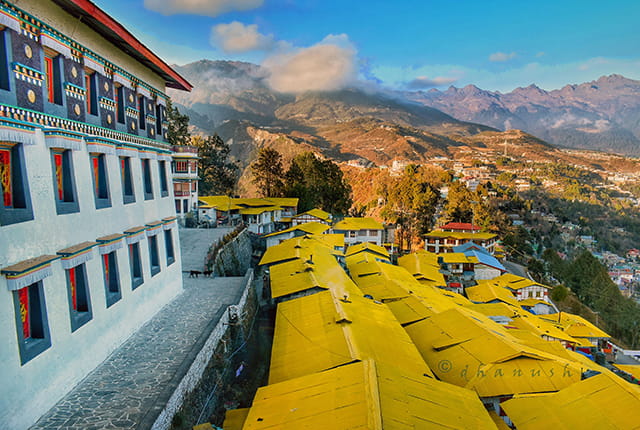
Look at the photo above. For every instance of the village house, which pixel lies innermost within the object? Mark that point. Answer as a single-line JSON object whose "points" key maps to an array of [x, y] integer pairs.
{"points": [[359, 230]]}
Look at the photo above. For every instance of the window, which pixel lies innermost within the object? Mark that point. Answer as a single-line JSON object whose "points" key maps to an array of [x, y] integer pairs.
{"points": [[91, 87], [120, 103], [127, 180], [4, 62], [181, 167], [164, 186], [52, 68], [194, 186], [168, 245], [185, 206], [142, 123], [78, 293], [136, 265], [64, 182], [100, 181], [154, 258], [16, 200], [111, 279], [31, 321], [159, 120], [177, 206], [146, 179]]}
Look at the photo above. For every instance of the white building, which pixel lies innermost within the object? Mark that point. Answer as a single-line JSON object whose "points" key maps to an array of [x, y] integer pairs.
{"points": [[359, 230], [89, 246], [184, 169]]}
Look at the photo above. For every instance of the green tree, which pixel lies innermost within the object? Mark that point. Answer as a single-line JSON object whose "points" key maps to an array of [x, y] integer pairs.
{"points": [[410, 202], [218, 175], [268, 173], [177, 126], [318, 184], [559, 293]]}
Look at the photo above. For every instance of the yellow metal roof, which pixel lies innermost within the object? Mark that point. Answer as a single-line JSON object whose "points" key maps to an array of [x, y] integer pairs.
{"points": [[424, 267], [455, 258], [258, 210], [222, 203], [367, 247], [318, 213], [631, 369], [295, 276], [515, 282], [303, 247], [466, 348], [323, 330], [290, 202], [351, 223], [533, 302], [365, 395], [523, 320], [234, 419], [575, 325], [309, 227], [603, 401], [485, 292]]}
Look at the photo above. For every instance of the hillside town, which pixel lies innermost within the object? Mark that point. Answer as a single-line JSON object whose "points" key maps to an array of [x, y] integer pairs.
{"points": [[152, 278]]}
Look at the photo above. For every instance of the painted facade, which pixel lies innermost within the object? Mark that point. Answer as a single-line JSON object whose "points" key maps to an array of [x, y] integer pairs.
{"points": [[89, 246], [184, 168]]}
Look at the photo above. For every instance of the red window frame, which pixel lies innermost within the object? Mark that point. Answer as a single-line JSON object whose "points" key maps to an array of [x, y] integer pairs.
{"points": [[58, 161], [48, 66], [95, 166], [23, 297], [87, 88], [73, 288], [6, 182]]}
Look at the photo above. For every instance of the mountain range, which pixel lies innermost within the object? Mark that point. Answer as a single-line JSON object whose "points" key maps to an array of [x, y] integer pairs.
{"points": [[374, 127], [603, 114]]}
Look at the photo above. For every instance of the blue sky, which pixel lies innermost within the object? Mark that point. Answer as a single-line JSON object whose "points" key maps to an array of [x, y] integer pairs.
{"points": [[496, 45]]}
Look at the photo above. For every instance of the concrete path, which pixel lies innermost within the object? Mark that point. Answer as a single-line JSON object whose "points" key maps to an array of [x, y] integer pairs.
{"points": [[194, 244], [130, 389]]}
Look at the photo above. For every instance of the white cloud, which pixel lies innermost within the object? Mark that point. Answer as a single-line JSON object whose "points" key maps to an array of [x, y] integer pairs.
{"points": [[327, 66], [423, 82], [501, 57], [238, 37], [211, 8]]}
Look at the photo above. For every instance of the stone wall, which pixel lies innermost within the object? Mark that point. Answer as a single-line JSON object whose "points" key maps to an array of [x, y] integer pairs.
{"points": [[235, 258]]}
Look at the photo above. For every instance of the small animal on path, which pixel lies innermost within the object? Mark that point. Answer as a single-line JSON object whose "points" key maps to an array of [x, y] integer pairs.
{"points": [[194, 273], [207, 273]]}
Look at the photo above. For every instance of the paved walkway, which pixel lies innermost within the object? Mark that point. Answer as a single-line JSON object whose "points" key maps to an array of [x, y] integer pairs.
{"points": [[195, 242], [130, 389]]}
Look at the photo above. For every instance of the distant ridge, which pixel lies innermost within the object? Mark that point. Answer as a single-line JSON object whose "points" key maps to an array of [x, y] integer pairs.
{"points": [[603, 114]]}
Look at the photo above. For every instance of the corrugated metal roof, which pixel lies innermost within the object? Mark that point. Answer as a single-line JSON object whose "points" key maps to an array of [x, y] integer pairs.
{"points": [[603, 401], [321, 331], [353, 223], [468, 349], [366, 395], [367, 247], [460, 235], [575, 325], [486, 292], [283, 201], [308, 227], [318, 213]]}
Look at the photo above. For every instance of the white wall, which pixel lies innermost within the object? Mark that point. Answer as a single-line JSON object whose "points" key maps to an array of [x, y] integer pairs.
{"points": [[29, 390]]}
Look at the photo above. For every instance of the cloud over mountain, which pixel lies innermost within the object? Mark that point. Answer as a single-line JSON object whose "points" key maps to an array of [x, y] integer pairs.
{"points": [[327, 66], [500, 57], [423, 82], [211, 8], [238, 37]]}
